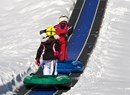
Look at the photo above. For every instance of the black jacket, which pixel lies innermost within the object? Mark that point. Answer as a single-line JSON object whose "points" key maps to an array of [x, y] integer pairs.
{"points": [[47, 49]]}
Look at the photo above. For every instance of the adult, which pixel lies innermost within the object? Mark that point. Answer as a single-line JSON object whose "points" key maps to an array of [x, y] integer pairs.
{"points": [[63, 29]]}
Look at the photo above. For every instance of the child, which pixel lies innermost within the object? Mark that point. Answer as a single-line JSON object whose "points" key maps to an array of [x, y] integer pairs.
{"points": [[49, 49]]}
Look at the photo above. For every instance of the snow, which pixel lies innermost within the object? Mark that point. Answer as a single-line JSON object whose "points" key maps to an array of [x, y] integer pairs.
{"points": [[20, 24], [107, 72]]}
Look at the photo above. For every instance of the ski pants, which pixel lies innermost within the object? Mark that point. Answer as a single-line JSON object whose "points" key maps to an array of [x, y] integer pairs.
{"points": [[49, 67], [64, 52]]}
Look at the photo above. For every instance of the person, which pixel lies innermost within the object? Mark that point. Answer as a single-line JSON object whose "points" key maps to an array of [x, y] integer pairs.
{"points": [[49, 49], [64, 31]]}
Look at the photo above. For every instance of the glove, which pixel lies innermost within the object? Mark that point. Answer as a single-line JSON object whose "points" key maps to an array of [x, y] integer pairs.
{"points": [[37, 62], [57, 54]]}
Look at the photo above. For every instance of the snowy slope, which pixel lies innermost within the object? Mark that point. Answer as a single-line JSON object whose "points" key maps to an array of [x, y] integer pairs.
{"points": [[20, 23], [108, 68]]}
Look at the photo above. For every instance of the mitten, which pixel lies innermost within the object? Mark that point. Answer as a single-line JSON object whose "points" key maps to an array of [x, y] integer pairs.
{"points": [[37, 62], [57, 54]]}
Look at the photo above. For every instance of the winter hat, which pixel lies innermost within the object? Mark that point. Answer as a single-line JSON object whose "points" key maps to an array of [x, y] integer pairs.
{"points": [[63, 18], [50, 31]]}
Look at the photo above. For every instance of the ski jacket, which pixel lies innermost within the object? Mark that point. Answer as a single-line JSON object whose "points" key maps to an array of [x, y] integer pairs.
{"points": [[47, 49], [63, 29]]}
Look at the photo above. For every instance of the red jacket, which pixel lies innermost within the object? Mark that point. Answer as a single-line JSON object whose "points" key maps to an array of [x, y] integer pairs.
{"points": [[62, 30]]}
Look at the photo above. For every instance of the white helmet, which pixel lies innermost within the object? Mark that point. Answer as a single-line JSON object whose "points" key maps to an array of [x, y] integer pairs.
{"points": [[63, 18]]}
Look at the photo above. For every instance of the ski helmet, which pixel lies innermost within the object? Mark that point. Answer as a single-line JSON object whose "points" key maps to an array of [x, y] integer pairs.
{"points": [[50, 31], [63, 18]]}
